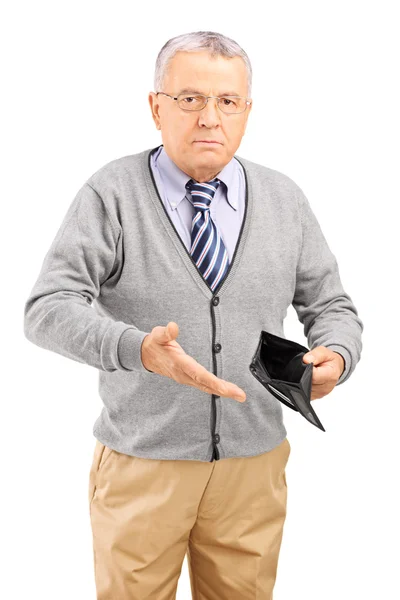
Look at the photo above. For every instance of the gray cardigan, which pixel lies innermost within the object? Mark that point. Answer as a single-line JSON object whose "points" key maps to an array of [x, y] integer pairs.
{"points": [[118, 264]]}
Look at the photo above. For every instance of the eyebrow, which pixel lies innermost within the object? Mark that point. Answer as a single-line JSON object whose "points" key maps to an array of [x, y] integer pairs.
{"points": [[193, 91]]}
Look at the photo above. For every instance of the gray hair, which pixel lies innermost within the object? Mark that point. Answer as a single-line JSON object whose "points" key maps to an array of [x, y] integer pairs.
{"points": [[216, 43]]}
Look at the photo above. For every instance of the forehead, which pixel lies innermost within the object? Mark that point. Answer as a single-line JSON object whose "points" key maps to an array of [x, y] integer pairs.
{"points": [[199, 72]]}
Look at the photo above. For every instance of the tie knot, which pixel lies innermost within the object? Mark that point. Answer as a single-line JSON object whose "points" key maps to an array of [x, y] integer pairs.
{"points": [[202, 193]]}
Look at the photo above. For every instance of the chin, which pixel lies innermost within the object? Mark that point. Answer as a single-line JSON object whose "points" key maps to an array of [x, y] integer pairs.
{"points": [[210, 152]]}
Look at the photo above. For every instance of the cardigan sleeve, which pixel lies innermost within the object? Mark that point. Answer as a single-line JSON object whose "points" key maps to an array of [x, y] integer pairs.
{"points": [[58, 315], [324, 308]]}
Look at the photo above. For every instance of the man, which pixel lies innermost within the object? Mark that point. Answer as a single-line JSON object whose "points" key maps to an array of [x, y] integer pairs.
{"points": [[190, 241]]}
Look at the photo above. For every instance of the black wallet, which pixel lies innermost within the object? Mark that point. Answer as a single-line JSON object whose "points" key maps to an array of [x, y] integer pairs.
{"points": [[278, 365]]}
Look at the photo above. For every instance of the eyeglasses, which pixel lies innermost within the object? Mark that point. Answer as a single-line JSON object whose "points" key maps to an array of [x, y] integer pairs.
{"points": [[228, 104]]}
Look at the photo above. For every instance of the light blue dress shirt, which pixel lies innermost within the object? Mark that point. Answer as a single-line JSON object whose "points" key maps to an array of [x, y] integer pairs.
{"points": [[226, 209]]}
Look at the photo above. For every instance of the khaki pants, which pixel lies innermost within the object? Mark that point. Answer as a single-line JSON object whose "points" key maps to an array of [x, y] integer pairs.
{"points": [[227, 515]]}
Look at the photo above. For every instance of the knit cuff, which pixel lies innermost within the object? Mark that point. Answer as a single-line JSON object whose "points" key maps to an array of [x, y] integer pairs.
{"points": [[347, 360], [129, 350]]}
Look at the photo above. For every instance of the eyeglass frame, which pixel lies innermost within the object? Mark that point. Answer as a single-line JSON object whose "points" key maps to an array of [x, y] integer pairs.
{"points": [[248, 102]]}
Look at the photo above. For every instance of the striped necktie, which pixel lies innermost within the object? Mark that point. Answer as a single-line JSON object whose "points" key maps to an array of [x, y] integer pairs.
{"points": [[207, 248]]}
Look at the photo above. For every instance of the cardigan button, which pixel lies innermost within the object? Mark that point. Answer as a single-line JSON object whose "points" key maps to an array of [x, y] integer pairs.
{"points": [[216, 438], [215, 300], [217, 348]]}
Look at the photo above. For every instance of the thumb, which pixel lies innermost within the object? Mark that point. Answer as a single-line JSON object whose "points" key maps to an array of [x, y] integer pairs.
{"points": [[317, 355], [309, 358], [170, 332]]}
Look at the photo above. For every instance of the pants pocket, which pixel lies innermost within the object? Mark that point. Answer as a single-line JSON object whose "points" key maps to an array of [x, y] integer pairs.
{"points": [[100, 456], [288, 446], [284, 478], [288, 449]]}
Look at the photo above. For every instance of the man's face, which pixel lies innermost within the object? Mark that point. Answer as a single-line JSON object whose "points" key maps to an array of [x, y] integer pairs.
{"points": [[182, 130]]}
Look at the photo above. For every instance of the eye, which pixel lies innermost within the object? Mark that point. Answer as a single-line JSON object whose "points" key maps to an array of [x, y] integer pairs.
{"points": [[192, 99], [227, 101]]}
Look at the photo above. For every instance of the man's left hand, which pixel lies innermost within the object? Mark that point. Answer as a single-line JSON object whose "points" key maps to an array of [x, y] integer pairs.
{"points": [[328, 367]]}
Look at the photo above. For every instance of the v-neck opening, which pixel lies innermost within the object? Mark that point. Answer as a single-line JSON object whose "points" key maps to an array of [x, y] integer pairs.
{"points": [[243, 233]]}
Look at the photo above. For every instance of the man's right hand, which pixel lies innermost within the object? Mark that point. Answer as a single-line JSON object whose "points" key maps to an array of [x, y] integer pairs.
{"points": [[161, 354]]}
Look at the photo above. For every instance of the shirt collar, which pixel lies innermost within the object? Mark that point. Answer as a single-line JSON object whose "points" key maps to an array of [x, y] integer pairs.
{"points": [[177, 179]]}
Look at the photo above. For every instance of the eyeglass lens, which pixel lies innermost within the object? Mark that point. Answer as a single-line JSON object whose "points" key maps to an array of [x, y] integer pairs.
{"points": [[228, 104]]}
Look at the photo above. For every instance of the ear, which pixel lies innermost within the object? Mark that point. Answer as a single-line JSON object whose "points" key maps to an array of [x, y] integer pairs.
{"points": [[249, 107], [155, 109]]}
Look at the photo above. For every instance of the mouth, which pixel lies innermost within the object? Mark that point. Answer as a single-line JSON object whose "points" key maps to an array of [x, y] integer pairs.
{"points": [[208, 142]]}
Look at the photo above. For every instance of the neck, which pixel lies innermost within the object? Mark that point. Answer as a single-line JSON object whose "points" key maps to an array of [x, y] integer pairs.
{"points": [[202, 176]]}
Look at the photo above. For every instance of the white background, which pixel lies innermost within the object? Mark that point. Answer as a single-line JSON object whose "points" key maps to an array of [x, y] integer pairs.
{"points": [[76, 78]]}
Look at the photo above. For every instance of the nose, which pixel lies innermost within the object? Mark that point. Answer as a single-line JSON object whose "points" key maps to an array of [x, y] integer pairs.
{"points": [[210, 115]]}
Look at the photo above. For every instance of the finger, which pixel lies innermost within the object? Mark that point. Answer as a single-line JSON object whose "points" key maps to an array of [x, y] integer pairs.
{"points": [[221, 391], [317, 355], [208, 381], [201, 386], [323, 374]]}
